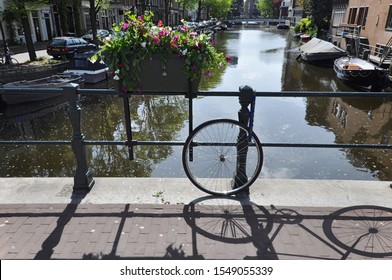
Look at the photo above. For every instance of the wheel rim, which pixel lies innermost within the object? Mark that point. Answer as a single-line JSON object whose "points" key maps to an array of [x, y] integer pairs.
{"points": [[216, 167]]}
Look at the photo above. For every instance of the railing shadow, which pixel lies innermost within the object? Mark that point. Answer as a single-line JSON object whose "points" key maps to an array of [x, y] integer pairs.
{"points": [[53, 239]]}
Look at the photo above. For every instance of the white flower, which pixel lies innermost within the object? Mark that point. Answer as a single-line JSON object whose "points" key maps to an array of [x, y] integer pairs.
{"points": [[184, 52], [116, 77], [143, 44]]}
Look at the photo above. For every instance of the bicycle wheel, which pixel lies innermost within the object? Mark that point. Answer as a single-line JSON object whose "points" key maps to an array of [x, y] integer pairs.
{"points": [[220, 158], [13, 64]]}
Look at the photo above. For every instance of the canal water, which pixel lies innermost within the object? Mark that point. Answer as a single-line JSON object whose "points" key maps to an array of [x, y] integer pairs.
{"points": [[263, 58]]}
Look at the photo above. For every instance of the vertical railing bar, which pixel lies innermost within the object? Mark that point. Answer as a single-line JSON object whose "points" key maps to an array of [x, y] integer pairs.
{"points": [[128, 128]]}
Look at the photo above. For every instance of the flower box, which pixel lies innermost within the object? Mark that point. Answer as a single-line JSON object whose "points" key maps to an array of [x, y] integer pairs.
{"points": [[165, 76]]}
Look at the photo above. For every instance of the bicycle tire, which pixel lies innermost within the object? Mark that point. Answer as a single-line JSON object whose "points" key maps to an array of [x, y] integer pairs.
{"points": [[210, 157], [14, 64]]}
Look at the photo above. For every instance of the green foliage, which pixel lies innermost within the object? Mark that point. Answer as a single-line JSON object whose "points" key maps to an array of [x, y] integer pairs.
{"points": [[319, 10], [218, 8], [265, 7], [138, 38], [18, 9], [306, 26]]}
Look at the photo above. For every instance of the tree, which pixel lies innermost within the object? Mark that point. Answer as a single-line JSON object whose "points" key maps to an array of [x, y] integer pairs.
{"points": [[63, 11], [18, 10], [77, 6], [188, 4], [218, 8], [319, 10], [95, 7], [265, 7]]}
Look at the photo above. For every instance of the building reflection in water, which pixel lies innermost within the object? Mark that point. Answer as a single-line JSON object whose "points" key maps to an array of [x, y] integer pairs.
{"points": [[357, 121]]}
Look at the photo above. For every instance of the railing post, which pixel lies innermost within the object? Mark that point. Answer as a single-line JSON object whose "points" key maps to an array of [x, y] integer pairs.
{"points": [[83, 179], [245, 99]]}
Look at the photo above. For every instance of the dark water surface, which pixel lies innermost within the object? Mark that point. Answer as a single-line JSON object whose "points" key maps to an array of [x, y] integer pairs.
{"points": [[264, 59]]}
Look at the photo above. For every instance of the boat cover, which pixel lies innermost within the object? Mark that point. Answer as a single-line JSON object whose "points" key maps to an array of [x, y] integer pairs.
{"points": [[317, 49]]}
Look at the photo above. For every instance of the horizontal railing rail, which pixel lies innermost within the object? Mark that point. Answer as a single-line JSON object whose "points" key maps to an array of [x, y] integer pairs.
{"points": [[83, 178]]}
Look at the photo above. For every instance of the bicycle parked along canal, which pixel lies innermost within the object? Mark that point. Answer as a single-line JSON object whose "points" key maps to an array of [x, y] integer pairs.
{"points": [[7, 61], [224, 156]]}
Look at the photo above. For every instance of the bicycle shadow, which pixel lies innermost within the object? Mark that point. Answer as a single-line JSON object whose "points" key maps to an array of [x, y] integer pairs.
{"points": [[351, 232], [231, 220]]}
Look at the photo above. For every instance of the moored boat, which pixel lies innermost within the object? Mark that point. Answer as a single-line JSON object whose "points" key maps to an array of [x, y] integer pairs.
{"points": [[360, 72], [91, 73], [320, 51], [55, 81]]}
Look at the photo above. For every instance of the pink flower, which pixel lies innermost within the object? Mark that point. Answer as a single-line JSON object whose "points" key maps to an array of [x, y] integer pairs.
{"points": [[163, 33], [212, 42], [155, 40], [208, 73], [193, 68], [228, 58], [125, 26]]}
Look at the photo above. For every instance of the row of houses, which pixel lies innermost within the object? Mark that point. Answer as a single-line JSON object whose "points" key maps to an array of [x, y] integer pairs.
{"points": [[370, 21], [46, 23]]}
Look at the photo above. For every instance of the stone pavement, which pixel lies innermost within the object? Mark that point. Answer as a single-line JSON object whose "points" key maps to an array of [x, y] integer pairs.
{"points": [[57, 224]]}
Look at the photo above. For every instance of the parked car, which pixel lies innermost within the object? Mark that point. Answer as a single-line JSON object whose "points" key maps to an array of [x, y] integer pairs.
{"points": [[68, 46], [101, 34]]}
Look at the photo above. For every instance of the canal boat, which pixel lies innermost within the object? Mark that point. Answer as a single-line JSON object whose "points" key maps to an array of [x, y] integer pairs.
{"points": [[282, 26], [360, 72], [56, 81], [91, 73], [320, 52]]}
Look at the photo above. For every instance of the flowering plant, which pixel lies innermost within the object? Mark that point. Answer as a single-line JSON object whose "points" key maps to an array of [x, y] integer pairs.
{"points": [[138, 38]]}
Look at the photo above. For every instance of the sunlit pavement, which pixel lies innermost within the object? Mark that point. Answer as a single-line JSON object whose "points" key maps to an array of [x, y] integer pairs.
{"points": [[139, 218]]}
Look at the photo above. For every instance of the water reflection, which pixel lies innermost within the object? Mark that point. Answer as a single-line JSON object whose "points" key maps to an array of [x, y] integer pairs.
{"points": [[153, 118], [357, 121]]}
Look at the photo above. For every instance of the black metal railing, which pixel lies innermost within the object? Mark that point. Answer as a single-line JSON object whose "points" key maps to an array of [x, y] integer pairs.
{"points": [[83, 178]]}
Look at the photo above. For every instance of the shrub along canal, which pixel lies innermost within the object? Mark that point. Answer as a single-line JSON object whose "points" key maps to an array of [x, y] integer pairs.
{"points": [[263, 58]]}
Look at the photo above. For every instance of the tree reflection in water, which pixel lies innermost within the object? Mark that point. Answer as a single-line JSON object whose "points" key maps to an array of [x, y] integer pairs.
{"points": [[153, 118]]}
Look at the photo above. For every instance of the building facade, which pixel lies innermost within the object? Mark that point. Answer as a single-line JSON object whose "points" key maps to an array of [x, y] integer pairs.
{"points": [[369, 21], [45, 22]]}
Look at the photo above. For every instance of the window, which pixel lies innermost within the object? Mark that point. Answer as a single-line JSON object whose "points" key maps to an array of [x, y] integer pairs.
{"points": [[352, 15], [389, 19], [362, 15], [338, 17]]}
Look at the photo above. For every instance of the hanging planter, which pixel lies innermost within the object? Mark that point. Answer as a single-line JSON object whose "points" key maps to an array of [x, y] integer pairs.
{"points": [[156, 74], [145, 56]]}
